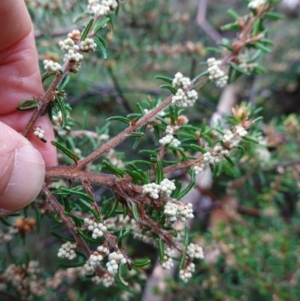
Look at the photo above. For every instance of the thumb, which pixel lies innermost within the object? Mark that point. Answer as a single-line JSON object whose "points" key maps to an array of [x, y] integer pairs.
{"points": [[22, 171]]}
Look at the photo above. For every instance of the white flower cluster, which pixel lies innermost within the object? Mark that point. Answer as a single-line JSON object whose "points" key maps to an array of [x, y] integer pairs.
{"points": [[183, 98], [98, 255], [102, 7], [208, 159], [74, 59], [186, 273], [255, 4], [168, 261], [107, 280], [97, 228], [89, 269], [67, 250], [180, 81], [24, 278], [114, 259], [88, 45], [170, 139], [51, 66], [38, 132], [68, 44], [230, 139], [174, 211], [195, 251], [215, 73], [166, 187]]}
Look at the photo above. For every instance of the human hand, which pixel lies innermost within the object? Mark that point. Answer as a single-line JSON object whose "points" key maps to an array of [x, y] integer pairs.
{"points": [[22, 163]]}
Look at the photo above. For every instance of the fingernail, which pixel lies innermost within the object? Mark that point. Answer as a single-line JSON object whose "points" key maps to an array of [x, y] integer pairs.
{"points": [[26, 180]]}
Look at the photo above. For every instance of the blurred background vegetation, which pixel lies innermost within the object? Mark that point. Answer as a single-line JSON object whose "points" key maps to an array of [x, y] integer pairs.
{"points": [[250, 231]]}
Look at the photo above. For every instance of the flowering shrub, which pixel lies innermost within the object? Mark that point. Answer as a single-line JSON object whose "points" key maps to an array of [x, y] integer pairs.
{"points": [[100, 205]]}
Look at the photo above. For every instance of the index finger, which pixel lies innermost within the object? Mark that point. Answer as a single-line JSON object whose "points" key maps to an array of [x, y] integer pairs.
{"points": [[19, 73]]}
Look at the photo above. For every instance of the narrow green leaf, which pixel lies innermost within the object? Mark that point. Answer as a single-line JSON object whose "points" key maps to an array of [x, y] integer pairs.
{"points": [[205, 73], [257, 27], [142, 162], [111, 21], [233, 14], [208, 140], [100, 25], [90, 208], [28, 104], [229, 160], [254, 57], [159, 172], [198, 148], [81, 17], [183, 259], [135, 212], [89, 238], [273, 15], [262, 47], [189, 186], [267, 42], [164, 78], [112, 210], [259, 70], [250, 140], [239, 69], [101, 46], [169, 87], [141, 262], [119, 118], [257, 119], [86, 30], [63, 84], [77, 220], [62, 106], [120, 271], [46, 75], [214, 50], [5, 222], [68, 191], [65, 150], [148, 152], [186, 236], [116, 171], [161, 250], [231, 26], [72, 265], [137, 134], [60, 237]]}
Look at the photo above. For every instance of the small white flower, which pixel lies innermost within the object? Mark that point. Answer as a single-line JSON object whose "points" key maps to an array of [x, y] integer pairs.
{"points": [[186, 273], [255, 4], [180, 81], [38, 132], [152, 189], [114, 259], [167, 187], [195, 251], [88, 45], [67, 250], [51, 66], [215, 73], [68, 44]]}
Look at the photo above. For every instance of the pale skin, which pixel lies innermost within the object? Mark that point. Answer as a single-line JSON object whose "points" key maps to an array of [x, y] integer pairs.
{"points": [[22, 167]]}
